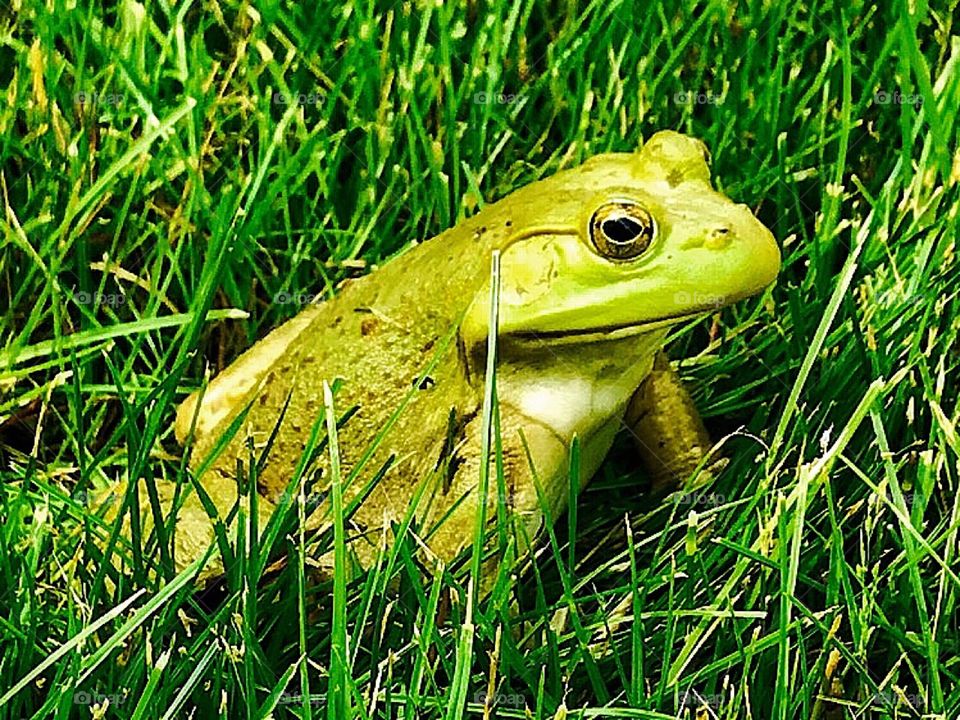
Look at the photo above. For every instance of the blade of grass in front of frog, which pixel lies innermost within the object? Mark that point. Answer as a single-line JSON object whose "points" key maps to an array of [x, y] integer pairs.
{"points": [[456, 703], [230, 548], [486, 425], [245, 534], [635, 690], [274, 526], [466, 554], [302, 612], [573, 487], [338, 695], [299, 486], [457, 698], [505, 550], [566, 579], [260, 542], [310, 452], [410, 572], [182, 487], [325, 533], [107, 557], [315, 499], [265, 539], [377, 441], [222, 440], [218, 523], [396, 554]]}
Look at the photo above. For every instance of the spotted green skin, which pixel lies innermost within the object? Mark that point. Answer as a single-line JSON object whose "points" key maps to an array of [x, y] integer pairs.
{"points": [[578, 336]]}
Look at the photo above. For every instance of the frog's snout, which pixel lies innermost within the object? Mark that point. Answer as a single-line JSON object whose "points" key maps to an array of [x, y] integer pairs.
{"points": [[742, 250], [760, 252]]}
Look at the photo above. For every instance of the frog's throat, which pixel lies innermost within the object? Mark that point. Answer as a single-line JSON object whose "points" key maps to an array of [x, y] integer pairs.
{"points": [[579, 390]]}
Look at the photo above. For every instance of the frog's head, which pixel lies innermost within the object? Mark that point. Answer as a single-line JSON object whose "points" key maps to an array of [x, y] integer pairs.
{"points": [[625, 244]]}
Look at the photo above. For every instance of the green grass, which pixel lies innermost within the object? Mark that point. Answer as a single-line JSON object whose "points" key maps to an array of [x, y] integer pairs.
{"points": [[817, 577]]}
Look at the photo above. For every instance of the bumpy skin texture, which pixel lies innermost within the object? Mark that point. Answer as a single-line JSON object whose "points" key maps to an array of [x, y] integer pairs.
{"points": [[578, 334], [397, 347]]}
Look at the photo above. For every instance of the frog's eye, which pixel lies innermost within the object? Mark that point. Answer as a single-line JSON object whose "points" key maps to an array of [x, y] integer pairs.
{"points": [[622, 230]]}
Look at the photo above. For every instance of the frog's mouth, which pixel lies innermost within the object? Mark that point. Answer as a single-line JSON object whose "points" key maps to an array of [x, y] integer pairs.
{"points": [[609, 332]]}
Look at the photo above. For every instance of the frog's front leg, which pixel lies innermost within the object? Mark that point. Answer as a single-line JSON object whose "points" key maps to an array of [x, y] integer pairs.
{"points": [[534, 459], [666, 426]]}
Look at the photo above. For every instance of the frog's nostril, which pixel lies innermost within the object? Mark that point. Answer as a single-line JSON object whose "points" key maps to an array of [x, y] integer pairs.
{"points": [[718, 238]]}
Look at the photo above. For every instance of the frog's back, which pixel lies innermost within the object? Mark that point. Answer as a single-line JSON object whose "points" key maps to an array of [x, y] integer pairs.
{"points": [[375, 336]]}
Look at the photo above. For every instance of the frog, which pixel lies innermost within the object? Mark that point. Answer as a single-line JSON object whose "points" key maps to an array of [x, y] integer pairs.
{"points": [[596, 264]]}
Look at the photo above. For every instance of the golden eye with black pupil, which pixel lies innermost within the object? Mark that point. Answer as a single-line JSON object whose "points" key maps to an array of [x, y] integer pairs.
{"points": [[621, 230]]}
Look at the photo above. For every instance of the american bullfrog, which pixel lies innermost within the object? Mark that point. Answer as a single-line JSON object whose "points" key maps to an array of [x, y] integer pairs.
{"points": [[596, 264]]}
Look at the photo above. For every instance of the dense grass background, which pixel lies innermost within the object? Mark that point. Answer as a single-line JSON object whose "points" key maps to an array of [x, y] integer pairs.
{"points": [[159, 161]]}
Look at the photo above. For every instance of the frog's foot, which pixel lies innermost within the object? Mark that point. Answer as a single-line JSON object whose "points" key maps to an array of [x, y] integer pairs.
{"points": [[669, 434], [194, 531]]}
